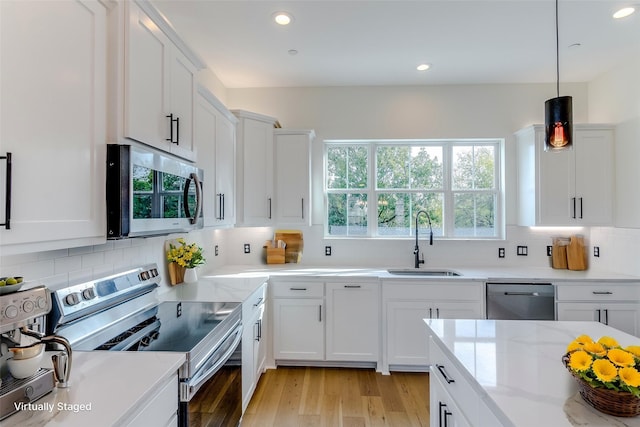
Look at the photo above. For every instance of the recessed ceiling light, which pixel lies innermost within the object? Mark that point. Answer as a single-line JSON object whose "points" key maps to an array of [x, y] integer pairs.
{"points": [[624, 12], [283, 18], [423, 67], [292, 52]]}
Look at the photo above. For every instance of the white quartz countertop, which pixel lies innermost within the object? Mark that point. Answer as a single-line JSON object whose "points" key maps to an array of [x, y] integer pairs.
{"points": [[516, 368], [489, 274], [218, 288], [106, 388]]}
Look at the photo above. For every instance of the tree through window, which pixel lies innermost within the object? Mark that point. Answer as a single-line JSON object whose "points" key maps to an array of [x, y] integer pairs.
{"points": [[375, 188]]}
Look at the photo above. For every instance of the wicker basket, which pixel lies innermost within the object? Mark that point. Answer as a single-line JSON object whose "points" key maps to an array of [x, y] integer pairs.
{"points": [[618, 403]]}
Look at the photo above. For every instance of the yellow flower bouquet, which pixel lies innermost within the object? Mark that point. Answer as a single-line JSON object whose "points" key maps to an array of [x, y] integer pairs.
{"points": [[183, 256], [608, 375]]}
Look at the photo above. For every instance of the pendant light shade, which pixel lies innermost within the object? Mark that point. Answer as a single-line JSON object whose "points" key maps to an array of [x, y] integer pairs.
{"points": [[558, 112], [558, 121]]}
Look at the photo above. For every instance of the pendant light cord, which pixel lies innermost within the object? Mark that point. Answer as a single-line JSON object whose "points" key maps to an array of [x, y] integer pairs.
{"points": [[557, 54]]}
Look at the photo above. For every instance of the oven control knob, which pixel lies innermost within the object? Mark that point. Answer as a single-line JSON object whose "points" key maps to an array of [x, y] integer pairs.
{"points": [[28, 306], [41, 302], [88, 294], [72, 299], [11, 312]]}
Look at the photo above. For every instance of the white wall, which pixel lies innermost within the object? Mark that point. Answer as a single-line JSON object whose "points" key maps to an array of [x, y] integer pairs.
{"points": [[410, 112], [614, 97]]}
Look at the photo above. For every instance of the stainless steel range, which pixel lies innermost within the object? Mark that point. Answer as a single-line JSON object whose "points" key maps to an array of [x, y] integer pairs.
{"points": [[122, 313]]}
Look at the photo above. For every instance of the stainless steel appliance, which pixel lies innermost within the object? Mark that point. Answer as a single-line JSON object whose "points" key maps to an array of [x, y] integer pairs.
{"points": [[121, 312], [151, 193], [520, 301], [20, 310]]}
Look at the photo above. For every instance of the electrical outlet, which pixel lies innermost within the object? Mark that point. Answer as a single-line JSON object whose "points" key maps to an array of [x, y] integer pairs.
{"points": [[247, 248], [596, 251], [549, 251], [215, 250], [501, 253], [327, 250], [523, 250]]}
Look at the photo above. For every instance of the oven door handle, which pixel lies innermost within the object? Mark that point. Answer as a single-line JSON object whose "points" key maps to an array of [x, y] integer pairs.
{"points": [[200, 378]]}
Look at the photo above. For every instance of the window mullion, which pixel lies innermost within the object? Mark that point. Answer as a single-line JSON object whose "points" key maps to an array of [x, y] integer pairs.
{"points": [[448, 203]]}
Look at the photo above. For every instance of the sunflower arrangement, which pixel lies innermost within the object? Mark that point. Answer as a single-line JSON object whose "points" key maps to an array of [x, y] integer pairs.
{"points": [[185, 255], [604, 363]]}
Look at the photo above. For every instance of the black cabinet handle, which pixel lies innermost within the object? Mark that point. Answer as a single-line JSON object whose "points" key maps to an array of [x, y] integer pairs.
{"points": [[444, 374], [320, 313], [352, 286], [441, 406], [581, 208], [606, 316], [303, 208], [447, 414], [177, 141], [602, 293], [223, 209], [7, 193], [598, 311], [574, 207], [269, 199]]}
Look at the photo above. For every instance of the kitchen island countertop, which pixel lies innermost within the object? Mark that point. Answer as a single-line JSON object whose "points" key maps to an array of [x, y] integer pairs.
{"points": [[515, 368], [106, 388]]}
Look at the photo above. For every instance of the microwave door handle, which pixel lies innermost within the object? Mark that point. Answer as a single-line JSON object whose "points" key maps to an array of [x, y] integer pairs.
{"points": [[185, 201]]}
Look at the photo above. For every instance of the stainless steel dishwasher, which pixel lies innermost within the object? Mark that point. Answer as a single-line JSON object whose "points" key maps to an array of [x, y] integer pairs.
{"points": [[520, 301]]}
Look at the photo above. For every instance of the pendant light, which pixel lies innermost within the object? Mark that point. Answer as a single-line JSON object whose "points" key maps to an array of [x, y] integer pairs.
{"points": [[558, 112]]}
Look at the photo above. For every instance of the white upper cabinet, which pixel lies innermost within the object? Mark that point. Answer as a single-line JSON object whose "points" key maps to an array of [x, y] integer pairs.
{"points": [[292, 176], [159, 84], [254, 173], [215, 137], [53, 115], [569, 187]]}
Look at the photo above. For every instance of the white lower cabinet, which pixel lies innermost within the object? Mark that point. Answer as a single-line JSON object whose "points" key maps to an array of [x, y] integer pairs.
{"points": [[345, 328], [253, 342], [443, 409], [159, 410], [405, 306], [353, 332], [453, 402], [298, 320], [608, 303]]}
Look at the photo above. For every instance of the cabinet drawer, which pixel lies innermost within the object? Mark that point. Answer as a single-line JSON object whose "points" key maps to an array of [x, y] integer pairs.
{"points": [[452, 290], [598, 292], [254, 303], [454, 383], [297, 290]]}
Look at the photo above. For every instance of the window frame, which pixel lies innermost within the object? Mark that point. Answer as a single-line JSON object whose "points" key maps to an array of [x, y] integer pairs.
{"points": [[448, 193]]}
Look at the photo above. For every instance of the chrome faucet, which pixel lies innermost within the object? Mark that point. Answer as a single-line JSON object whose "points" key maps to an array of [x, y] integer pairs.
{"points": [[416, 250]]}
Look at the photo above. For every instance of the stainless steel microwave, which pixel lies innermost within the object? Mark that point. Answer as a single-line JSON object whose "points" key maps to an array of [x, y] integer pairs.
{"points": [[151, 193]]}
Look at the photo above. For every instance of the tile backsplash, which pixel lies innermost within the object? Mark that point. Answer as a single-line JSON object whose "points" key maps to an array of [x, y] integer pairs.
{"points": [[619, 252]]}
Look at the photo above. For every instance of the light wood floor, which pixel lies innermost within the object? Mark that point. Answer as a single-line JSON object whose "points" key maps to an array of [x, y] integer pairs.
{"points": [[336, 397]]}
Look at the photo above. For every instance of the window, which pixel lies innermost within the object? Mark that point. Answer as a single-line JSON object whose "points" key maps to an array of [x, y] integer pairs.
{"points": [[376, 188]]}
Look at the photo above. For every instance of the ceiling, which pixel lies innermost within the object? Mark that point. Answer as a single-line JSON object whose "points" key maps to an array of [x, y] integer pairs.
{"points": [[361, 42]]}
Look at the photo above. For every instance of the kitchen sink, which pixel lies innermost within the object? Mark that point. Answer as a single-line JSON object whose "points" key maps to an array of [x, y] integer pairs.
{"points": [[418, 272]]}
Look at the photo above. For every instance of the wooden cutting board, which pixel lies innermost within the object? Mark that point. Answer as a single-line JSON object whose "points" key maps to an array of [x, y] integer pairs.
{"points": [[576, 254]]}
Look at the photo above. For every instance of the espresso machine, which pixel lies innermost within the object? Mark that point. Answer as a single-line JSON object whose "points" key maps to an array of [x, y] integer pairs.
{"points": [[22, 323]]}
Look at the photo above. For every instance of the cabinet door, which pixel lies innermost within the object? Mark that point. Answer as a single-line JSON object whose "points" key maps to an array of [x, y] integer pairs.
{"points": [[594, 177], [182, 86], [225, 170], [293, 183], [147, 91], [442, 408], [53, 115], [298, 329], [407, 338], [625, 317], [205, 139], [353, 332], [257, 167], [555, 183]]}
